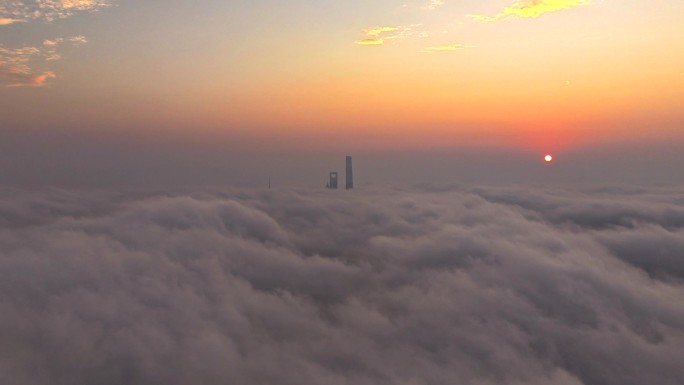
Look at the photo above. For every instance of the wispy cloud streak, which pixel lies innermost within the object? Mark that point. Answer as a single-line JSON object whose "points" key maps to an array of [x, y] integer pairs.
{"points": [[18, 65], [371, 41], [376, 31], [434, 4], [48, 10], [15, 70], [532, 9], [445, 48], [375, 36], [8, 21]]}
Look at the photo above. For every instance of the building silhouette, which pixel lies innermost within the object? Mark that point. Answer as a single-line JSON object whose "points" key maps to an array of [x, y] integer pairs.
{"points": [[332, 183], [350, 174]]}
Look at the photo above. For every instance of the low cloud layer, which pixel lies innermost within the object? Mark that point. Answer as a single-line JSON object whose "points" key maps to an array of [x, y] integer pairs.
{"points": [[427, 286]]}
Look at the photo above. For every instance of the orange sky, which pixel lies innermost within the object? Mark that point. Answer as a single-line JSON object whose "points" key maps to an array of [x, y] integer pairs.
{"points": [[550, 74]]}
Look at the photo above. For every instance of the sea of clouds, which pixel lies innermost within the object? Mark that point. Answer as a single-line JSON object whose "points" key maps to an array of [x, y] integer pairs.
{"points": [[421, 285]]}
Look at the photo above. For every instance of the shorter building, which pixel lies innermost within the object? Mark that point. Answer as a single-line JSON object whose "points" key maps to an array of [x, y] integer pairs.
{"points": [[332, 183]]}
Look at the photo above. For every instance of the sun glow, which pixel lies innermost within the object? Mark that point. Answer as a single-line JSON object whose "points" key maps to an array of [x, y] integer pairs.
{"points": [[548, 158]]}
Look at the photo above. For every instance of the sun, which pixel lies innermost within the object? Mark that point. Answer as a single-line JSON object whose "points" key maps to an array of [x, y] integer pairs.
{"points": [[548, 158]]}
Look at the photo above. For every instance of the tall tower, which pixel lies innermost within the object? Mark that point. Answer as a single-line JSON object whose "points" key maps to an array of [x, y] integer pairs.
{"points": [[350, 174]]}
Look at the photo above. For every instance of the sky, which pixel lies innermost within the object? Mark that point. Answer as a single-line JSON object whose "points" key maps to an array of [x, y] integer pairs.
{"points": [[106, 91]]}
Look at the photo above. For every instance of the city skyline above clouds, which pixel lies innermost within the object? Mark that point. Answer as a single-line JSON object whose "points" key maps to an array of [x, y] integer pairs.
{"points": [[516, 216]]}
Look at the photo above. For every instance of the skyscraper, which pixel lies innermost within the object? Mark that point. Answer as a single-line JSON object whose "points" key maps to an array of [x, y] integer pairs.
{"points": [[350, 174], [332, 183]]}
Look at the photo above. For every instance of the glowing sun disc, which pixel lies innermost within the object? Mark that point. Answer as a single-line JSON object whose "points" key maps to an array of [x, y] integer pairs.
{"points": [[548, 158]]}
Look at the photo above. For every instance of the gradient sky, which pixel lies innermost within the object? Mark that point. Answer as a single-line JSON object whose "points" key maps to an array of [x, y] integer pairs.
{"points": [[299, 77]]}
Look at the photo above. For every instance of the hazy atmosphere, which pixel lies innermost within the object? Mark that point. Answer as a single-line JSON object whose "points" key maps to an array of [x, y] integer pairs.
{"points": [[102, 92], [515, 214]]}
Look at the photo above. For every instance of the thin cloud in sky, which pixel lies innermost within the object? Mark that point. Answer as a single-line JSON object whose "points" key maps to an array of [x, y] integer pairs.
{"points": [[445, 48], [15, 69], [49, 10], [8, 21], [376, 31], [25, 66], [434, 4], [373, 35], [78, 40], [371, 41], [380, 35], [531, 9]]}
